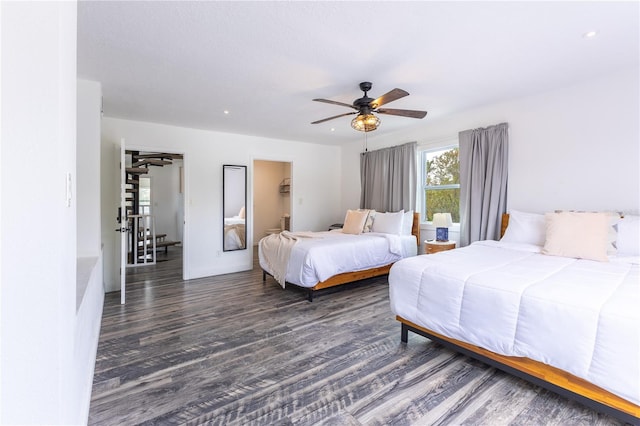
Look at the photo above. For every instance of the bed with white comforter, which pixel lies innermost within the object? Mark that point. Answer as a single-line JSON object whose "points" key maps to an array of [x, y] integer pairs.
{"points": [[314, 257], [581, 316], [366, 247]]}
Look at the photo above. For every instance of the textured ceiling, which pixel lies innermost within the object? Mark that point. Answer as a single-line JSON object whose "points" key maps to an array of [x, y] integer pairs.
{"points": [[184, 63]]}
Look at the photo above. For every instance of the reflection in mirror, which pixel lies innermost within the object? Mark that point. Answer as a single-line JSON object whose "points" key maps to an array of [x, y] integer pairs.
{"points": [[234, 198]]}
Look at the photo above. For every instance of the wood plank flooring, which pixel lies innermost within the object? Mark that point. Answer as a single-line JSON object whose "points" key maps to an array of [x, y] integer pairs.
{"points": [[230, 350]]}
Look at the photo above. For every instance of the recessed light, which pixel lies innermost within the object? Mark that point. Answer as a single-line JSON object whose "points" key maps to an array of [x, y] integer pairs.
{"points": [[333, 129], [590, 34], [226, 111]]}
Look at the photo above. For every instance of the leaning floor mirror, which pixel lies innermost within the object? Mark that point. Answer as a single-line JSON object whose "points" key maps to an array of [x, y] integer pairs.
{"points": [[234, 199]]}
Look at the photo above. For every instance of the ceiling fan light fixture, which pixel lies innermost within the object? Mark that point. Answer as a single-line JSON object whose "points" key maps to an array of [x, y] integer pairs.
{"points": [[365, 106], [365, 122]]}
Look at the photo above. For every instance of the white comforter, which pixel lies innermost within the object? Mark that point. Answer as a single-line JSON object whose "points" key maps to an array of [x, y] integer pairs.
{"points": [[330, 253], [578, 315]]}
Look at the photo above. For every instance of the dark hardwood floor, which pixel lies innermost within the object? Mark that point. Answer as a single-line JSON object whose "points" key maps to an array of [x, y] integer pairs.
{"points": [[232, 350]]}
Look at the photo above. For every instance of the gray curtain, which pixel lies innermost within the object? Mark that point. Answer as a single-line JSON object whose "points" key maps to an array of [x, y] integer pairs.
{"points": [[483, 182], [388, 178]]}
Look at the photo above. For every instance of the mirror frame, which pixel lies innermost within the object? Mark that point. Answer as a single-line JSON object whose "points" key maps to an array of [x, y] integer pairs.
{"points": [[225, 191]]}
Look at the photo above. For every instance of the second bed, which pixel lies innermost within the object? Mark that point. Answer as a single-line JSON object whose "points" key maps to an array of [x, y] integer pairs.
{"points": [[318, 260]]}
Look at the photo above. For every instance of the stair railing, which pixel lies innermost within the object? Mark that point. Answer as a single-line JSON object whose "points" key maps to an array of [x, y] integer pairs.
{"points": [[142, 245]]}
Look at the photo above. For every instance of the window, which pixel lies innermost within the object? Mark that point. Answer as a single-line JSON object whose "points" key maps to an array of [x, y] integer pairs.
{"points": [[440, 181], [144, 202]]}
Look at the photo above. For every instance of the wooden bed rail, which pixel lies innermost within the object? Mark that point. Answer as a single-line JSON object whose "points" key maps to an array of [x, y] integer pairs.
{"points": [[543, 375], [546, 376], [349, 277]]}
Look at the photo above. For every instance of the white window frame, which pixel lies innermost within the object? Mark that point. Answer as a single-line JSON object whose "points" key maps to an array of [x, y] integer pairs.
{"points": [[422, 187], [149, 208]]}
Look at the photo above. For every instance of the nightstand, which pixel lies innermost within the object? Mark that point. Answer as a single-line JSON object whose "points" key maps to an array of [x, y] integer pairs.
{"points": [[433, 246]]}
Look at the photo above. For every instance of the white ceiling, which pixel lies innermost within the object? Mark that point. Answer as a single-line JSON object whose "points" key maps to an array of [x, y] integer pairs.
{"points": [[184, 63]]}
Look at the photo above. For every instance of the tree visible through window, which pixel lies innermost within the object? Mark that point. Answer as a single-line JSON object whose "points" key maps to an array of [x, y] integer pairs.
{"points": [[441, 182]]}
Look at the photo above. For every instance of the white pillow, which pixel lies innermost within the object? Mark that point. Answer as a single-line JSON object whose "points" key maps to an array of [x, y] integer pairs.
{"points": [[579, 235], [354, 221], [628, 238], [407, 223], [388, 223], [528, 228]]}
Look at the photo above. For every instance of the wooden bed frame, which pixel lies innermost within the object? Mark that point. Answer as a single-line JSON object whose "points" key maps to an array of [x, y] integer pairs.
{"points": [[543, 375], [349, 277]]}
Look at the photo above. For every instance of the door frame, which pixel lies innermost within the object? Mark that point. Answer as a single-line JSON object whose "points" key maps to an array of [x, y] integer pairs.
{"points": [[274, 159], [185, 197]]}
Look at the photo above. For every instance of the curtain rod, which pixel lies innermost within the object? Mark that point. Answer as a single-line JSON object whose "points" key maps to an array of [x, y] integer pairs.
{"points": [[439, 140]]}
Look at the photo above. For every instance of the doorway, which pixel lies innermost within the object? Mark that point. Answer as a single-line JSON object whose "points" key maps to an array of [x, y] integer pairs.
{"points": [[272, 189], [154, 198]]}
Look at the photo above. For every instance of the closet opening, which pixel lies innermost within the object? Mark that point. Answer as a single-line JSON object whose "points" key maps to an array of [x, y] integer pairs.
{"points": [[272, 189]]}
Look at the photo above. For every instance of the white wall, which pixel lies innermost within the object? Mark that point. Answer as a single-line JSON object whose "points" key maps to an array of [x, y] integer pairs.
{"points": [[572, 148], [109, 203], [89, 279], [39, 384], [205, 152], [167, 201], [88, 167]]}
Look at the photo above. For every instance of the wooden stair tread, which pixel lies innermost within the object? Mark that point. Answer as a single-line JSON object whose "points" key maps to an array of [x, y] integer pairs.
{"points": [[152, 162], [159, 155], [166, 243], [137, 170]]}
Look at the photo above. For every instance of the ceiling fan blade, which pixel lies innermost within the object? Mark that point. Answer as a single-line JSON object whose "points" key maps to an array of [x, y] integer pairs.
{"points": [[335, 116], [403, 112], [327, 101], [389, 97]]}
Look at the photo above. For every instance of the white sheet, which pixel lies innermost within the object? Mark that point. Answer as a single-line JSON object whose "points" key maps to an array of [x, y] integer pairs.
{"points": [[330, 253], [235, 220], [578, 315], [231, 239]]}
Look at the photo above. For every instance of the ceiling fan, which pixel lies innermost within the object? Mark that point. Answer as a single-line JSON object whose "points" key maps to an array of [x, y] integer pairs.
{"points": [[365, 106]]}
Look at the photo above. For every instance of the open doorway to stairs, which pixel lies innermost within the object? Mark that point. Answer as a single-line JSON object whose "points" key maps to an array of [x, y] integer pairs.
{"points": [[272, 187], [155, 211]]}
